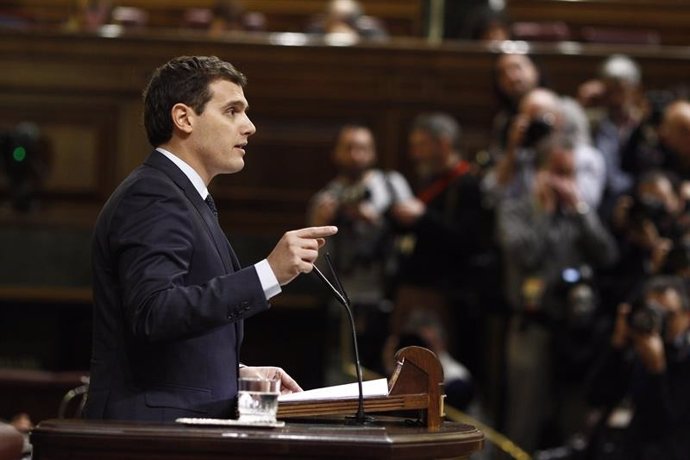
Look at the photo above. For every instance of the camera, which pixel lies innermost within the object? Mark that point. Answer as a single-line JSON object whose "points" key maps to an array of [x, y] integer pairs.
{"points": [[646, 208], [353, 195], [575, 289], [678, 258], [538, 129], [646, 317]]}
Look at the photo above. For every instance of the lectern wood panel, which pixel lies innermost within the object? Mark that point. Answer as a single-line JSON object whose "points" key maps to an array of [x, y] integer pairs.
{"points": [[390, 439]]}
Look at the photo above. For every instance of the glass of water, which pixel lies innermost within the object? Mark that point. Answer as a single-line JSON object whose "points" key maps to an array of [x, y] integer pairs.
{"points": [[257, 399]]}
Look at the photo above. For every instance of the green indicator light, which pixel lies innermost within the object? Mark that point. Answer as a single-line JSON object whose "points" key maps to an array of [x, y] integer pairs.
{"points": [[19, 154]]}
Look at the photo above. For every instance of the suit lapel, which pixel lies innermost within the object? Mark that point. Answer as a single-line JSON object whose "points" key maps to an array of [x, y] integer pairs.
{"points": [[225, 251]]}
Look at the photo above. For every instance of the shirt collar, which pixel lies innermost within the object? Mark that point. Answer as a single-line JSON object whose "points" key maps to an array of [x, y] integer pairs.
{"points": [[188, 171]]}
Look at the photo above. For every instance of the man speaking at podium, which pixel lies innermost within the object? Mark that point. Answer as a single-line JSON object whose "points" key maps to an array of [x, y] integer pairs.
{"points": [[170, 295]]}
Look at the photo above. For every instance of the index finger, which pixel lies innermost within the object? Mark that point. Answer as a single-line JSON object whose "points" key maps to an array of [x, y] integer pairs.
{"points": [[317, 232], [288, 384]]}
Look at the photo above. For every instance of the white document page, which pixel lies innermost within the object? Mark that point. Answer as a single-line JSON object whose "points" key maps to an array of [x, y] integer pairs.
{"points": [[378, 387]]}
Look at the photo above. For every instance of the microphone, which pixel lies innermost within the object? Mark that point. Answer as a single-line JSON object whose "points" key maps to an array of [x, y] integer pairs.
{"points": [[360, 417]]}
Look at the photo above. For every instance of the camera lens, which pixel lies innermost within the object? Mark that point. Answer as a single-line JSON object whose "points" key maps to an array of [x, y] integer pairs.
{"points": [[537, 130], [571, 275], [646, 317]]}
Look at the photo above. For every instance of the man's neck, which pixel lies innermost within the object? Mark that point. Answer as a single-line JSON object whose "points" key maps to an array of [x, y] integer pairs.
{"points": [[196, 180]]}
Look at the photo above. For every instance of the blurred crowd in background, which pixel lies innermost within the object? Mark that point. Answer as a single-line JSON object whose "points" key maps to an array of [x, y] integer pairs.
{"points": [[550, 274]]}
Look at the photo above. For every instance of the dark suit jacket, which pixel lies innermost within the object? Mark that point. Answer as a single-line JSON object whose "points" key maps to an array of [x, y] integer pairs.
{"points": [[169, 300]]}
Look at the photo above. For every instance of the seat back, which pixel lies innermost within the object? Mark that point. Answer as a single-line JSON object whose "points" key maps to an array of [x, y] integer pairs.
{"points": [[72, 404]]}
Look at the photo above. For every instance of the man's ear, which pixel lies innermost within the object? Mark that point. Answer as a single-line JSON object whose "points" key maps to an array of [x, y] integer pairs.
{"points": [[183, 117]]}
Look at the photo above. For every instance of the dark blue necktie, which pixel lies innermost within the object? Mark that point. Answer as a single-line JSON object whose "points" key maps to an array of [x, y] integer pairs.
{"points": [[211, 204]]}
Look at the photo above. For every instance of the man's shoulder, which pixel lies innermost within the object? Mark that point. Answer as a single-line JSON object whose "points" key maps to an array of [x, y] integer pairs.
{"points": [[143, 178], [142, 184]]}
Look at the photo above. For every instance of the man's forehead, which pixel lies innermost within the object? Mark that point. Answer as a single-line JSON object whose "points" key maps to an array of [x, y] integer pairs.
{"points": [[356, 135], [227, 92]]}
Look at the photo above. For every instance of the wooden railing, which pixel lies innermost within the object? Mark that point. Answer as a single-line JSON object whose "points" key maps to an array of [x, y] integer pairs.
{"points": [[402, 17], [611, 20], [587, 20]]}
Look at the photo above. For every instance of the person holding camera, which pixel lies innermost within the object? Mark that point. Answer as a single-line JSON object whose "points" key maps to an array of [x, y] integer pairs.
{"points": [[649, 224], [641, 383], [662, 140], [542, 112], [514, 76], [616, 106], [357, 200], [547, 235]]}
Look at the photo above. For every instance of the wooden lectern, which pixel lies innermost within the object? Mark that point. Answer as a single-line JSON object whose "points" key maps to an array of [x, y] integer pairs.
{"points": [[417, 385]]}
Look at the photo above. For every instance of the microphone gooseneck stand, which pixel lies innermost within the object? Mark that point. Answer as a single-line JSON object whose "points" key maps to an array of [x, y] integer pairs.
{"points": [[360, 417]]}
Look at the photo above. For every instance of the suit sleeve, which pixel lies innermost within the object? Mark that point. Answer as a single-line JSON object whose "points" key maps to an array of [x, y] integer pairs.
{"points": [[173, 280]]}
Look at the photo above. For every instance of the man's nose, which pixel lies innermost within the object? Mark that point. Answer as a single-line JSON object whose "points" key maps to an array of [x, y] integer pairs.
{"points": [[249, 128]]}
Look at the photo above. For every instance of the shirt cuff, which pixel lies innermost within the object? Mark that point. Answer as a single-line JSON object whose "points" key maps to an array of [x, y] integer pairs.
{"points": [[268, 280]]}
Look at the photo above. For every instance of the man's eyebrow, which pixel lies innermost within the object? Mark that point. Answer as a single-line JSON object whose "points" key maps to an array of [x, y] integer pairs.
{"points": [[236, 104]]}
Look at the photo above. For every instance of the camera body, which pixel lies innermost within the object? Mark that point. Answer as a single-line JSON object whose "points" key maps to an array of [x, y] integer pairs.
{"points": [[576, 292], [538, 128], [646, 317], [353, 194], [644, 209], [678, 258]]}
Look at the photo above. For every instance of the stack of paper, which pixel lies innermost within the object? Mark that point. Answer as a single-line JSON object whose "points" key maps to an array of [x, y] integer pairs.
{"points": [[377, 387]]}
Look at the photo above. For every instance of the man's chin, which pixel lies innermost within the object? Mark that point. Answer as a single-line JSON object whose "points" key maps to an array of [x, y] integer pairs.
{"points": [[235, 167]]}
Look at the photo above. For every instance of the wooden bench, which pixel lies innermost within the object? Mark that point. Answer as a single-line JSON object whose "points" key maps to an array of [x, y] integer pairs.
{"points": [[611, 21]]}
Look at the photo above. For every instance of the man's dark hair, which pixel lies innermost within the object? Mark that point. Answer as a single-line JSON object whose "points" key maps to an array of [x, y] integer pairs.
{"points": [[186, 80], [503, 99]]}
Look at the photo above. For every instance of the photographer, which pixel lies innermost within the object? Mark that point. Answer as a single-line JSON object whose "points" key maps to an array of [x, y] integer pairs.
{"points": [[541, 113], [662, 140], [544, 234], [616, 106], [644, 377], [648, 225], [357, 201]]}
